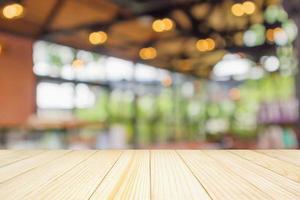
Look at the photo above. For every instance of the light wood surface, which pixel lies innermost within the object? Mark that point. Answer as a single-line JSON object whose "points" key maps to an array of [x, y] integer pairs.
{"points": [[150, 174]]}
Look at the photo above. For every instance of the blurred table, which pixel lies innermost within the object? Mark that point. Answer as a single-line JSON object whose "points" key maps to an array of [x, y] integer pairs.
{"points": [[155, 174]]}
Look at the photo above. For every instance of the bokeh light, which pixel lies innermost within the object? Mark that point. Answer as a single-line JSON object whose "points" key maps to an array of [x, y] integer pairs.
{"points": [[12, 11], [161, 25], [205, 45], [168, 24], [291, 29], [77, 63], [248, 7], [271, 63], [148, 53], [280, 36], [158, 26], [255, 36], [97, 38], [270, 35], [237, 9], [210, 44]]}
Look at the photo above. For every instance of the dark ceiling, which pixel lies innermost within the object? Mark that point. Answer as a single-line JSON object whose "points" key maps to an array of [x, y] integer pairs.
{"points": [[128, 25]]}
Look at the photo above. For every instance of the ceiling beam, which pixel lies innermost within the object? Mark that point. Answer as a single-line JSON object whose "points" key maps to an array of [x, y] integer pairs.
{"points": [[54, 11], [121, 17]]}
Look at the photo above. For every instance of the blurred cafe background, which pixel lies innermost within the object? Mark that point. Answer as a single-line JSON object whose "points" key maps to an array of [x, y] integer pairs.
{"points": [[113, 74]]}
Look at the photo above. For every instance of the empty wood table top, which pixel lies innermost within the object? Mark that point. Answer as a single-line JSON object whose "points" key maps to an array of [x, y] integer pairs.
{"points": [[150, 174]]}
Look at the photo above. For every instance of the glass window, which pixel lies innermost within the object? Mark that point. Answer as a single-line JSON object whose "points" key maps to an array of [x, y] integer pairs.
{"points": [[55, 96], [85, 97], [118, 69]]}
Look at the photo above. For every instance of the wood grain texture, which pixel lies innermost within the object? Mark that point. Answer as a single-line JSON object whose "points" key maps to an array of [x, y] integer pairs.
{"points": [[14, 156], [27, 164], [281, 181], [263, 184], [88, 173], [128, 179], [150, 174], [172, 179], [283, 168], [219, 181], [291, 156], [20, 186]]}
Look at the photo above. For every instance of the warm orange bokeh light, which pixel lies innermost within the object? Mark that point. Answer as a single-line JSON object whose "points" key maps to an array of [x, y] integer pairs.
{"points": [[168, 24], [270, 35], [161, 25], [148, 53], [249, 7], [12, 11], [99, 37], [202, 45], [237, 9], [158, 26], [211, 44], [205, 45]]}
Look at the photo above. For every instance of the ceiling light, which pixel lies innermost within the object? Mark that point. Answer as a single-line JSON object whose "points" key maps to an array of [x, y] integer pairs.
{"points": [[211, 44], [237, 9], [12, 11], [161, 25], [148, 53], [97, 38], [158, 26], [249, 7], [202, 45], [205, 44], [168, 24]]}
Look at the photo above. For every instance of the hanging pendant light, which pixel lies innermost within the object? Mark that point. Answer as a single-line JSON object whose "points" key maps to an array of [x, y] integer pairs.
{"points": [[13, 11]]}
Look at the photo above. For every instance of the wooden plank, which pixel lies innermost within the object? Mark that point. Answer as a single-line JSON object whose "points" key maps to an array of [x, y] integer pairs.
{"points": [[292, 156], [282, 181], [128, 179], [4, 152], [227, 160], [15, 156], [283, 168], [81, 181], [20, 186], [23, 166], [155, 174], [219, 181], [172, 179]]}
